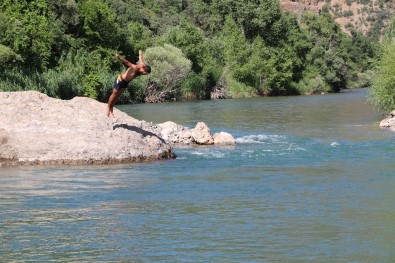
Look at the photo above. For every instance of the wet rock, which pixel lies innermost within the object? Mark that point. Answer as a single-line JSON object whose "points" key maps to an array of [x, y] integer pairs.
{"points": [[201, 134], [223, 138], [174, 133], [178, 134]]}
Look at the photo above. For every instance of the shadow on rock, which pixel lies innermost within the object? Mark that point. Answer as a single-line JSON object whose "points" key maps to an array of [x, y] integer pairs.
{"points": [[138, 130]]}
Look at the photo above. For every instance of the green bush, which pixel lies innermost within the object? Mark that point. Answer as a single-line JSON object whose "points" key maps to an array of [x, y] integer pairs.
{"points": [[312, 83], [238, 89], [79, 74], [88, 72], [17, 79], [193, 87], [361, 79], [382, 92], [8, 57], [64, 85], [170, 69]]}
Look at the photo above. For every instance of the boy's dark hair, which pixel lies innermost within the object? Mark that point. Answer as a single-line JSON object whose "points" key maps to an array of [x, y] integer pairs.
{"points": [[147, 69]]}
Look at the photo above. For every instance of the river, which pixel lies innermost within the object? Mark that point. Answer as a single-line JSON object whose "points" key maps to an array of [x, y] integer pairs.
{"points": [[311, 179]]}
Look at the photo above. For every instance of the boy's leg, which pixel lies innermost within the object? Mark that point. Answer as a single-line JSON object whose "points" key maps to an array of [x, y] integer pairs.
{"points": [[116, 93]]}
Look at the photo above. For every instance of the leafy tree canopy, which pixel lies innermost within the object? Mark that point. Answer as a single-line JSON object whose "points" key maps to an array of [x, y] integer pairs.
{"points": [[66, 47]]}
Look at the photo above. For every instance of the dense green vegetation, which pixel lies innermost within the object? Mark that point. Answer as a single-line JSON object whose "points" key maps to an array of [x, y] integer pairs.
{"points": [[382, 92], [197, 49]]}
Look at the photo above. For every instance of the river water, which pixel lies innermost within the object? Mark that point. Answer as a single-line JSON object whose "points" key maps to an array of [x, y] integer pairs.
{"points": [[311, 179]]}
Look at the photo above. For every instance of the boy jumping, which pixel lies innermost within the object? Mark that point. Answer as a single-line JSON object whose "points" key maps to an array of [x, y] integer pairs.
{"points": [[122, 81]]}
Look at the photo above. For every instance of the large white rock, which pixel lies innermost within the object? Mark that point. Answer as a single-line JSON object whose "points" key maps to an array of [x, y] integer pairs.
{"points": [[178, 134], [201, 134], [174, 133], [224, 138], [37, 129]]}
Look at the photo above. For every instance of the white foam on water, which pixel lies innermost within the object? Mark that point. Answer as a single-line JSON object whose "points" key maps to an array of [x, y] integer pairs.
{"points": [[260, 139], [293, 147], [181, 158], [335, 144], [255, 145], [209, 154], [198, 153]]}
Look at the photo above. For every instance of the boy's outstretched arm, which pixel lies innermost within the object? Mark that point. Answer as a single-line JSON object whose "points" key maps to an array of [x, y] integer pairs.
{"points": [[124, 61], [141, 60]]}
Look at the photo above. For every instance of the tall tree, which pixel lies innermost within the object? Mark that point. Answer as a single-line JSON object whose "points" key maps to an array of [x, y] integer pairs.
{"points": [[29, 31], [190, 39], [329, 55], [236, 47], [98, 22]]}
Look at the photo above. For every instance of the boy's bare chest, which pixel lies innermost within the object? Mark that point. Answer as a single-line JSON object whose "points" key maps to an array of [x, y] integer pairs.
{"points": [[130, 74]]}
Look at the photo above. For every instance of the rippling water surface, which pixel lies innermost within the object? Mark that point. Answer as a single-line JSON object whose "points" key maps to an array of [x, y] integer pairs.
{"points": [[311, 179]]}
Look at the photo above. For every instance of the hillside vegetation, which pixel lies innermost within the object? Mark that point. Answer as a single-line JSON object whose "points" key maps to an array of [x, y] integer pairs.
{"points": [[198, 49], [382, 92], [367, 16]]}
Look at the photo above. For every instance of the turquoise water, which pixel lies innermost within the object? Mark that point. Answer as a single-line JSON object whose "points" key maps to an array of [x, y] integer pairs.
{"points": [[311, 179]]}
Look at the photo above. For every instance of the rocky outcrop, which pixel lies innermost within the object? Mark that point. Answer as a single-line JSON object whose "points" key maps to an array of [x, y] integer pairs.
{"points": [[389, 122], [174, 133], [177, 134], [37, 129]]}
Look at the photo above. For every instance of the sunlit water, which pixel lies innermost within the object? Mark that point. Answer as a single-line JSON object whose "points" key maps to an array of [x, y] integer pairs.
{"points": [[311, 179]]}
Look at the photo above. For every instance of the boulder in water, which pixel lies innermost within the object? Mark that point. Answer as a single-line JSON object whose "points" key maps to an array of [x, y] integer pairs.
{"points": [[224, 138], [389, 122]]}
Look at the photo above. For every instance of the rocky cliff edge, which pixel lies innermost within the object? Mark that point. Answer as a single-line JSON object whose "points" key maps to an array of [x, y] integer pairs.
{"points": [[37, 129]]}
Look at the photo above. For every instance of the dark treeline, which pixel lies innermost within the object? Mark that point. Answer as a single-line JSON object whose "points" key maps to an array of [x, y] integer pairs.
{"points": [[198, 49]]}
